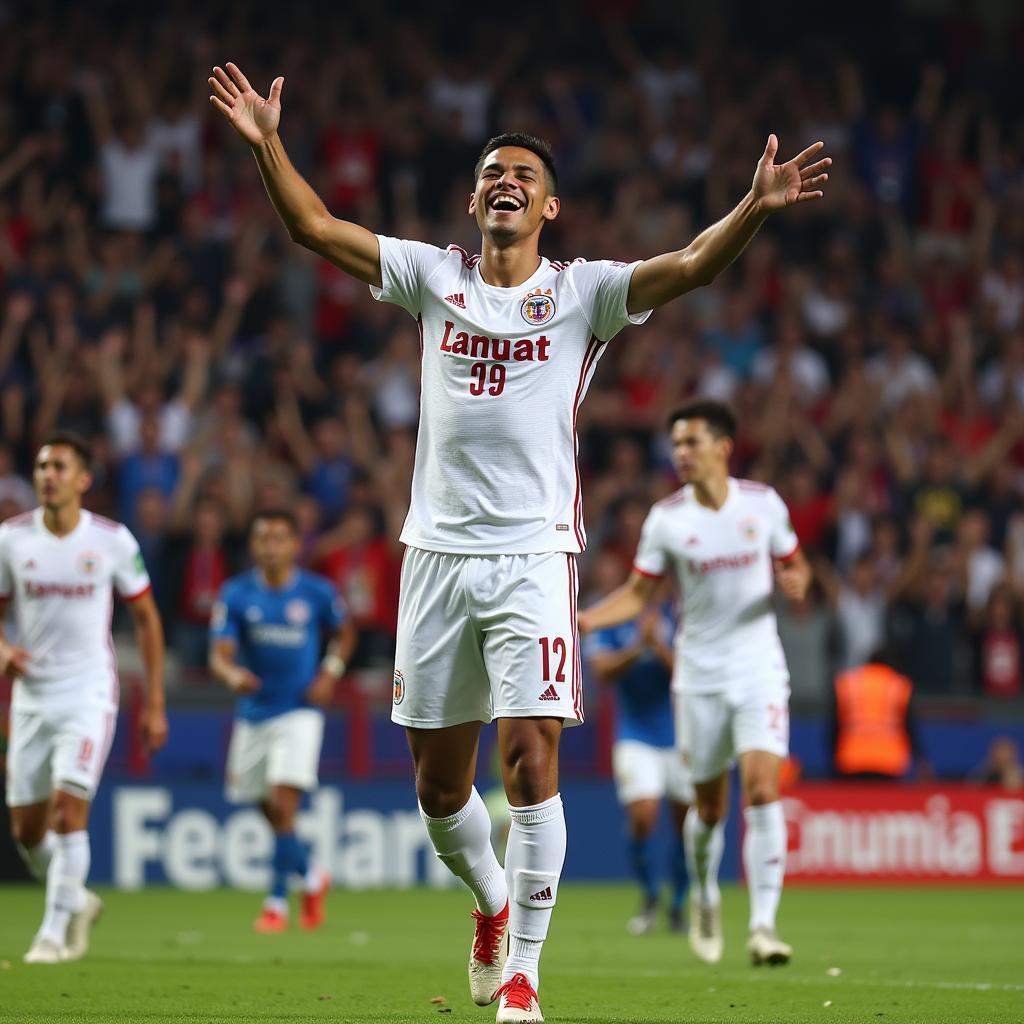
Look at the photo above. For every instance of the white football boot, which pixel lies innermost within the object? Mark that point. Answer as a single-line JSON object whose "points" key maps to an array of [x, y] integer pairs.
{"points": [[487, 956], [765, 947], [706, 939], [76, 944], [44, 951], [518, 1002]]}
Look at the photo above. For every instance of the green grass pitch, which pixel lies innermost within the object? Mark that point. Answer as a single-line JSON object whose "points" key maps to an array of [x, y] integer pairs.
{"points": [[927, 955]]}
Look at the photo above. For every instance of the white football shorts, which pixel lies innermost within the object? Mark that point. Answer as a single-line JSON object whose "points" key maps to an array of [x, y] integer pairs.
{"points": [[644, 772], [486, 636], [64, 750], [281, 751], [712, 729]]}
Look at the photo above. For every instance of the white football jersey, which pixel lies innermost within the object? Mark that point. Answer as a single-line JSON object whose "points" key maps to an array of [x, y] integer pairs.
{"points": [[723, 564], [60, 593], [504, 373]]}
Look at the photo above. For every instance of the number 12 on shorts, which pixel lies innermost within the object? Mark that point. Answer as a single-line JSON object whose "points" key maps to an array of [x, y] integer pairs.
{"points": [[550, 649]]}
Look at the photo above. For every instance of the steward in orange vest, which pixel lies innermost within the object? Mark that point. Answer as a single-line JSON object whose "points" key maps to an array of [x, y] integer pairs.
{"points": [[874, 735]]}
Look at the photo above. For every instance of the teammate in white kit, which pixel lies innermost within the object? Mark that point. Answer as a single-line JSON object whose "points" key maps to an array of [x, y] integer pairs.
{"points": [[728, 543], [59, 566], [487, 616]]}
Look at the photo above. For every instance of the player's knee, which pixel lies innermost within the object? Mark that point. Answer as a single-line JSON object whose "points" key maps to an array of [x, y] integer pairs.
{"points": [[26, 832], [439, 798], [67, 815], [762, 791], [528, 775]]}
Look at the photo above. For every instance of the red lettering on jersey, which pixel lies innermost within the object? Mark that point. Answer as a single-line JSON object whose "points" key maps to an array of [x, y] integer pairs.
{"points": [[502, 350], [448, 328]]}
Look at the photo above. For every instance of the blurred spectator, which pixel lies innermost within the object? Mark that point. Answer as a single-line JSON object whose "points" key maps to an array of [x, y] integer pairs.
{"points": [[999, 646], [1002, 766]]}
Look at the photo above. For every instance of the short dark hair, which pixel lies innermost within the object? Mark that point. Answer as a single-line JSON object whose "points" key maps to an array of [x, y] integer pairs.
{"points": [[279, 515], [538, 147], [721, 420], [69, 439]]}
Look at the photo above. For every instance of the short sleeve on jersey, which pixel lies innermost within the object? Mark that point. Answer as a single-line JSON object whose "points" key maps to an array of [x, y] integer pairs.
{"points": [[601, 288], [224, 617], [332, 608], [130, 576], [603, 641], [651, 554], [784, 541], [405, 267]]}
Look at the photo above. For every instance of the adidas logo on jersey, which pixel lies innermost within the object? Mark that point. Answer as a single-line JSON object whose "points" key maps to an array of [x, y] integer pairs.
{"points": [[692, 542], [456, 299], [544, 896], [550, 694]]}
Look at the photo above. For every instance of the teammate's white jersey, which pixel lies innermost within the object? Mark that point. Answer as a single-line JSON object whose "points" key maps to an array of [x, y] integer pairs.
{"points": [[60, 591], [504, 373], [723, 563]]}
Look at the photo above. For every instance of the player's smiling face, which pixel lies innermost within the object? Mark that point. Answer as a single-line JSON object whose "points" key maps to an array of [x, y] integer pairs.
{"points": [[697, 454], [512, 198], [59, 476]]}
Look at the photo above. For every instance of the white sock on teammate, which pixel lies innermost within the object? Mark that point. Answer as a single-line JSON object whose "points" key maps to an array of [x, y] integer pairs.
{"points": [[65, 884], [533, 865], [704, 845], [462, 841], [38, 857], [764, 860]]}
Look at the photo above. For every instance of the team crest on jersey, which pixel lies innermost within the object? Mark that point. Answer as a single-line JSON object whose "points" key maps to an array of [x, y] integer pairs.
{"points": [[297, 613], [538, 307], [399, 688], [748, 529], [88, 563]]}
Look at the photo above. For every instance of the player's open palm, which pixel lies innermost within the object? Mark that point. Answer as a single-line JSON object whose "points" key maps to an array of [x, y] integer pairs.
{"points": [[796, 181], [252, 116]]}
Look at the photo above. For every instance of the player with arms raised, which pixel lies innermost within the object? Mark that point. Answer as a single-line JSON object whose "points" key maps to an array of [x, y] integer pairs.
{"points": [[727, 542], [59, 566], [487, 612]]}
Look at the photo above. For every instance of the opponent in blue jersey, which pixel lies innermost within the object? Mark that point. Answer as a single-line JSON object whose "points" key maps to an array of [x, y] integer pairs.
{"points": [[636, 657], [267, 632]]}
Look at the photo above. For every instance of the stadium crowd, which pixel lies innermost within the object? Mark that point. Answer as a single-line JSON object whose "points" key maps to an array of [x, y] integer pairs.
{"points": [[873, 344]]}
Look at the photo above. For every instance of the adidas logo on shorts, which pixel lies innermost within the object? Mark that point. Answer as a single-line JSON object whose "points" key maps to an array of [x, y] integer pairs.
{"points": [[550, 694], [543, 896]]}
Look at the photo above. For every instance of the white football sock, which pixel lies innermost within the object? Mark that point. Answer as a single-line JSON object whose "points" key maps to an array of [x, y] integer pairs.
{"points": [[462, 842], [764, 860], [65, 884], [38, 857], [704, 845], [533, 865]]}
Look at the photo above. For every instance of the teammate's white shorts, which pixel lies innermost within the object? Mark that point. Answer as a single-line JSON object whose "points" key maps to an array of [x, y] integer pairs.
{"points": [[644, 772], [713, 728], [281, 751], [486, 636], [57, 750]]}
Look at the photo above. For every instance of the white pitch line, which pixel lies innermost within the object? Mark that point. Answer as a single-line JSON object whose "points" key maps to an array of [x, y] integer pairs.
{"points": [[791, 979]]}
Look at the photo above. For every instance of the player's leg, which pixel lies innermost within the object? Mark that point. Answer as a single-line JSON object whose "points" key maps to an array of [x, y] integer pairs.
{"points": [[535, 853], [640, 784], [762, 740], [29, 784], [293, 761], [703, 734], [441, 697], [36, 841], [246, 783], [82, 741], [679, 789], [527, 608]]}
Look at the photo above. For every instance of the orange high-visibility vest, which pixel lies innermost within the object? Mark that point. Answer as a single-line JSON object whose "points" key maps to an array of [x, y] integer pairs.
{"points": [[871, 704]]}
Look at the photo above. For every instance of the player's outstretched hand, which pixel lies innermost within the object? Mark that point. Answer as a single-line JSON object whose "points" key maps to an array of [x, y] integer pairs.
{"points": [[153, 729], [321, 690], [252, 116], [13, 661], [796, 181]]}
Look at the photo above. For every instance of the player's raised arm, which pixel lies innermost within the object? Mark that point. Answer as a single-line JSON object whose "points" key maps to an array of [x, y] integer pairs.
{"points": [[622, 605], [352, 248], [775, 186]]}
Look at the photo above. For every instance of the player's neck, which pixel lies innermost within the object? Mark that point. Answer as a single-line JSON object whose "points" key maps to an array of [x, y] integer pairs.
{"points": [[61, 521], [712, 492], [509, 266], [276, 579]]}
